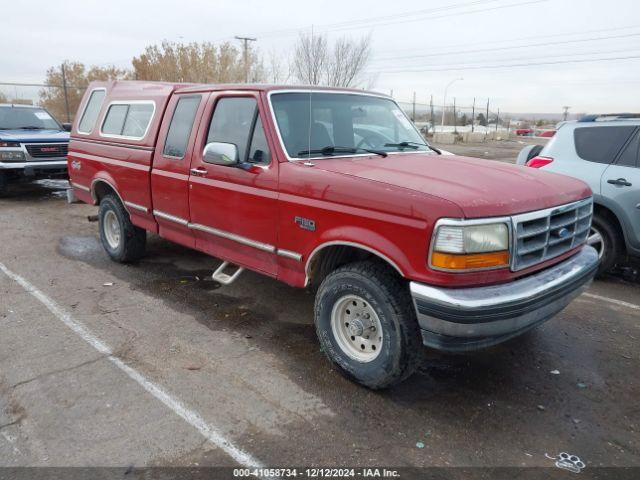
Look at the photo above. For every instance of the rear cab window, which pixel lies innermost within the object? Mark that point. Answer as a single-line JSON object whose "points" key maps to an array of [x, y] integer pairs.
{"points": [[128, 120], [601, 144]]}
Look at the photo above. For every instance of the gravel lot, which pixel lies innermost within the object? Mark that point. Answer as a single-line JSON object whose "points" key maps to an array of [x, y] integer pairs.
{"points": [[241, 365]]}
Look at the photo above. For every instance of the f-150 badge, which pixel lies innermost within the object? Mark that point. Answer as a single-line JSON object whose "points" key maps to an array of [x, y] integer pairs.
{"points": [[306, 224]]}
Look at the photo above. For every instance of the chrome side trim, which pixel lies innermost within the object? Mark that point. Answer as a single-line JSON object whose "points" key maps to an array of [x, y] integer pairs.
{"points": [[171, 218], [347, 244], [289, 254], [80, 187], [231, 236], [135, 206]]}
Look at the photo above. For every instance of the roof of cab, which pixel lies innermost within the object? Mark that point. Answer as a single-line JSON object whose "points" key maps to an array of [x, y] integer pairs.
{"points": [[268, 88]]}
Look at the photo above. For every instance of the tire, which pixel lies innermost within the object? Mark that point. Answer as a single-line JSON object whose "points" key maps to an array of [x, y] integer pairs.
{"points": [[383, 296], [123, 241], [605, 238]]}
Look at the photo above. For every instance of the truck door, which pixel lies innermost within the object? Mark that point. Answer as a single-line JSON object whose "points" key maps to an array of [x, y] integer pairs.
{"points": [[233, 208], [171, 163], [621, 184]]}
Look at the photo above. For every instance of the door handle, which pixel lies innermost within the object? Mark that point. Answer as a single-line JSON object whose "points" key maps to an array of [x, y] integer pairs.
{"points": [[622, 182], [198, 171]]}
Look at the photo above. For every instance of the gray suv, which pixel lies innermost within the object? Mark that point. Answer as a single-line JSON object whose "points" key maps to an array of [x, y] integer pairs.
{"points": [[601, 150]]}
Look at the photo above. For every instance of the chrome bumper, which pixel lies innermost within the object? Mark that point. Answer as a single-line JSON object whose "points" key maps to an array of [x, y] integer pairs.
{"points": [[461, 319], [44, 164]]}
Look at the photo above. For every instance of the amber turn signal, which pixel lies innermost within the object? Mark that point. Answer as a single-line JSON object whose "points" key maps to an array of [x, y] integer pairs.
{"points": [[472, 261]]}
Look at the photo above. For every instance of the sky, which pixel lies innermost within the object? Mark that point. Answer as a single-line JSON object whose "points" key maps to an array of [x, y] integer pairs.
{"points": [[524, 55]]}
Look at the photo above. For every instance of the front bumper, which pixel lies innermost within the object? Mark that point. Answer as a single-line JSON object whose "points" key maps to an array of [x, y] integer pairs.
{"points": [[56, 166], [463, 319]]}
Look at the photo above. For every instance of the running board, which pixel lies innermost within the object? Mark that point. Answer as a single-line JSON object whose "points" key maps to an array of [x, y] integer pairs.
{"points": [[223, 278]]}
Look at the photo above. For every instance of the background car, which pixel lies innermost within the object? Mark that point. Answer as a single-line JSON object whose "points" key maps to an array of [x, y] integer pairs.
{"points": [[33, 145], [601, 150]]}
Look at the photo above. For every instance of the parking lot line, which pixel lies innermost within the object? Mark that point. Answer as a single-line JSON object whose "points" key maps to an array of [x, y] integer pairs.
{"points": [[190, 416], [613, 301]]}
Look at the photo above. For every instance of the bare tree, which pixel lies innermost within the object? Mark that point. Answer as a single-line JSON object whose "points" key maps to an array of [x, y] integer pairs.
{"points": [[310, 59], [339, 65], [347, 60]]}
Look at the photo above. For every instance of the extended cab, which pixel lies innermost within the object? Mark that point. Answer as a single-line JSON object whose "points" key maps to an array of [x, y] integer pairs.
{"points": [[337, 190], [32, 145]]}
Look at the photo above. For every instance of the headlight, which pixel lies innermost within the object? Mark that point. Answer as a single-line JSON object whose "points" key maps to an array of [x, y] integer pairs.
{"points": [[9, 144], [470, 247], [12, 156]]}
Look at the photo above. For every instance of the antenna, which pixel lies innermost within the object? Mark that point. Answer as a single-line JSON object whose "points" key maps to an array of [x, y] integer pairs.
{"points": [[313, 61]]}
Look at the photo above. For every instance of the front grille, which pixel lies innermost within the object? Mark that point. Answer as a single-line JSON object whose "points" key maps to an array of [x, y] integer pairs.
{"points": [[47, 150], [545, 234]]}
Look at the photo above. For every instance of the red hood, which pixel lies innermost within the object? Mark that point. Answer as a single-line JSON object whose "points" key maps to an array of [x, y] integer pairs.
{"points": [[481, 188]]}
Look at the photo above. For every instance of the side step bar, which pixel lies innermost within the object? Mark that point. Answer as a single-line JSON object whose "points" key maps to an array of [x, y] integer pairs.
{"points": [[223, 278]]}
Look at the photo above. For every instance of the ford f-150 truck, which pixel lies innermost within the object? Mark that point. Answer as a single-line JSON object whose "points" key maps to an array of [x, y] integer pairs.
{"points": [[32, 145], [336, 190]]}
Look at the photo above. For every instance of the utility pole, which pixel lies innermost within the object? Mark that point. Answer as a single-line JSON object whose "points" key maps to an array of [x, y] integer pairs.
{"points": [[444, 100], [433, 124], [391, 94], [245, 41], [487, 117], [473, 114], [565, 114], [497, 119], [66, 94], [413, 115], [455, 117]]}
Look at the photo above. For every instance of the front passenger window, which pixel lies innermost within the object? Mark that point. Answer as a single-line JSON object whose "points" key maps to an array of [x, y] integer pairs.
{"points": [[237, 120]]}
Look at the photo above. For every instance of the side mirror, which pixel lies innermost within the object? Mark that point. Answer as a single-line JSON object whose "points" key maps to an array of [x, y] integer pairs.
{"points": [[219, 153], [66, 127]]}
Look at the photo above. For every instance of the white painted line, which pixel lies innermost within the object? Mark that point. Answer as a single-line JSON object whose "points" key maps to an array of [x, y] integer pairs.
{"points": [[191, 417], [613, 301]]}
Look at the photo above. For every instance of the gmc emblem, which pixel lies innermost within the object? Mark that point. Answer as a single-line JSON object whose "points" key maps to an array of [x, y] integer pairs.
{"points": [[48, 149]]}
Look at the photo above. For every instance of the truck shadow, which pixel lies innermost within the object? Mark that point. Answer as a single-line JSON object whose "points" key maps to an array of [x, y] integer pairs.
{"points": [[279, 319], [47, 189]]}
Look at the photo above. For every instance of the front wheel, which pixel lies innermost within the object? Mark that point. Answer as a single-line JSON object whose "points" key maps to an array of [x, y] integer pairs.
{"points": [[366, 324], [605, 238], [123, 241]]}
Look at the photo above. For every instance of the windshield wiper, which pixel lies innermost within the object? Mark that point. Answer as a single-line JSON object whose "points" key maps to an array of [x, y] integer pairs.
{"points": [[332, 149], [414, 145], [30, 127]]}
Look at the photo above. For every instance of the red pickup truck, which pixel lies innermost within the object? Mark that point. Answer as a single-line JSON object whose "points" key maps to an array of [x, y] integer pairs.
{"points": [[336, 190]]}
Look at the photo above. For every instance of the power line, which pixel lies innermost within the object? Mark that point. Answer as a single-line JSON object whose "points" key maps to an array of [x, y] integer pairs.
{"points": [[510, 47], [349, 23], [515, 59], [474, 44], [514, 65]]}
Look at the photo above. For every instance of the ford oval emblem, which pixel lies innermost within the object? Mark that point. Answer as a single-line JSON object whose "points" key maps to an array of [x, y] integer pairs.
{"points": [[563, 233]]}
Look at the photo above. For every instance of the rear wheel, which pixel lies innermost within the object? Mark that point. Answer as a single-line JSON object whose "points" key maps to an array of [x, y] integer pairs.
{"points": [[123, 241], [605, 238], [366, 324]]}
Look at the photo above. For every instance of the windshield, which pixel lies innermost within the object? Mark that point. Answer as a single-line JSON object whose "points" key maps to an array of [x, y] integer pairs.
{"points": [[311, 123], [23, 118]]}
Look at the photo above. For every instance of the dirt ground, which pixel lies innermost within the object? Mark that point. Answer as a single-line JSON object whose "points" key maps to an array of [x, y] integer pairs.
{"points": [[243, 362], [505, 150]]}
